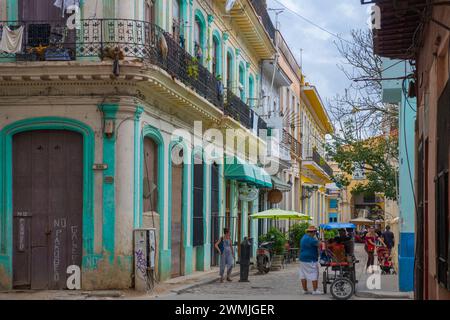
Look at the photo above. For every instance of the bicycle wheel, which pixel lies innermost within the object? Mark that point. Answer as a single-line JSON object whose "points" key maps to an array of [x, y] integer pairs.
{"points": [[342, 289], [324, 282]]}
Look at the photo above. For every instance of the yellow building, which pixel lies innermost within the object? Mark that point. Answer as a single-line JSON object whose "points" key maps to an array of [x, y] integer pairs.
{"points": [[316, 173]]}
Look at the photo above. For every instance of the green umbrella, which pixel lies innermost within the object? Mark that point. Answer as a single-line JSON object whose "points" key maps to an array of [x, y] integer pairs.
{"points": [[280, 214]]}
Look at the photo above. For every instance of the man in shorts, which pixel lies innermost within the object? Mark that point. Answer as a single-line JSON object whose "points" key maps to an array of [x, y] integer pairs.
{"points": [[309, 257]]}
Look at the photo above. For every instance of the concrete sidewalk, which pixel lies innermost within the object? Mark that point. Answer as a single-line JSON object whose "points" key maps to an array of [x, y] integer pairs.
{"points": [[376, 285], [164, 289]]}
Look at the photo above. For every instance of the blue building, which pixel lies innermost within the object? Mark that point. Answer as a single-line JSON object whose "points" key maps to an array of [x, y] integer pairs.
{"points": [[396, 92]]}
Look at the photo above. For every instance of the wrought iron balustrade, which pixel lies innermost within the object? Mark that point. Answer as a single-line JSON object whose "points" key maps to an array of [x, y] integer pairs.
{"points": [[294, 145], [241, 112], [317, 158], [98, 38], [261, 10]]}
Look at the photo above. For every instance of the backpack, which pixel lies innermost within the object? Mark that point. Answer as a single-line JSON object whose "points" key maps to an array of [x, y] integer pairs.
{"points": [[221, 248]]}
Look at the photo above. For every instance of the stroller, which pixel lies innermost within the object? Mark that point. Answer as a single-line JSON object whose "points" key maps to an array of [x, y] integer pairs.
{"points": [[385, 260]]}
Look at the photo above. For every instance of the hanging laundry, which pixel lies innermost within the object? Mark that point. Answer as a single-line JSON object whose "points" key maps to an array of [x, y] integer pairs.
{"points": [[255, 123], [66, 4], [11, 41]]}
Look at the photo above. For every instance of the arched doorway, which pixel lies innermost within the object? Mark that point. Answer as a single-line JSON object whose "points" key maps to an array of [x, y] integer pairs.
{"points": [[150, 183], [47, 190], [215, 214], [177, 238]]}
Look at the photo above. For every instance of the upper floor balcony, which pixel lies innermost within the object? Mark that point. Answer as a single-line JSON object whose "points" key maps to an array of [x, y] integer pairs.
{"points": [[252, 19], [261, 9], [241, 112], [294, 144], [318, 164], [117, 40]]}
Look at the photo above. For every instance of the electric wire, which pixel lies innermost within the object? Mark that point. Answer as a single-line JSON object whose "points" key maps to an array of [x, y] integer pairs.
{"points": [[406, 149], [313, 23]]}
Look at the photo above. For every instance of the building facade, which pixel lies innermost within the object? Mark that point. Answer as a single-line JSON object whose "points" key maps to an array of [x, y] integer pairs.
{"points": [[316, 173], [426, 43], [394, 92], [100, 123]]}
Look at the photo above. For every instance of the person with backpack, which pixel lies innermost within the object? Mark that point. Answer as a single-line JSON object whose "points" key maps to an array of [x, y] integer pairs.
{"points": [[225, 248]]}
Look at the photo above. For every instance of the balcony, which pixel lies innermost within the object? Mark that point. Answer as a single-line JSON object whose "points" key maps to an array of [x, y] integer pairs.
{"points": [[97, 39], [253, 26], [295, 146], [316, 161], [261, 10], [241, 112]]}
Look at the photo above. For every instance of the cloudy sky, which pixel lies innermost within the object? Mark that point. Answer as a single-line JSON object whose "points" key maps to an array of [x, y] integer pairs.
{"points": [[320, 56]]}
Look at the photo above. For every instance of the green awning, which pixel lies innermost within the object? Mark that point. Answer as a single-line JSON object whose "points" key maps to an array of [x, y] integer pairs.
{"points": [[240, 170], [237, 169], [280, 184], [266, 178]]}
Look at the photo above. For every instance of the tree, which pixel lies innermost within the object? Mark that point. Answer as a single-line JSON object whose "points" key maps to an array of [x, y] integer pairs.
{"points": [[361, 104], [377, 157], [366, 127]]}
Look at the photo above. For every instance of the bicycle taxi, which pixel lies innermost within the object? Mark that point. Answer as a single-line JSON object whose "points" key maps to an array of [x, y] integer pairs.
{"points": [[337, 256]]}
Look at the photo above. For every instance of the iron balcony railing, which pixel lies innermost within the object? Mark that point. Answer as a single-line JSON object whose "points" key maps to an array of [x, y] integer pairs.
{"points": [[317, 158], [98, 38], [261, 10], [241, 112], [294, 145]]}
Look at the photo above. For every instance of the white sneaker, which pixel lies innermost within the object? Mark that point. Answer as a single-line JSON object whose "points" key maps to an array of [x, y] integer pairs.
{"points": [[317, 293], [306, 292]]}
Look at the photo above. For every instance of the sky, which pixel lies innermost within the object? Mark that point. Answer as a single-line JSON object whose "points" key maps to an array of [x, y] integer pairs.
{"points": [[320, 58]]}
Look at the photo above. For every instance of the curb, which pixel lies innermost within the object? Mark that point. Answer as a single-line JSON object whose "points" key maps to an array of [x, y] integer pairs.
{"points": [[383, 295]]}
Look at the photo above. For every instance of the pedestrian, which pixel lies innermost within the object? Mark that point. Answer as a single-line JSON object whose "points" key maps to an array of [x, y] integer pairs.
{"points": [[225, 249], [388, 238], [370, 246], [309, 257]]}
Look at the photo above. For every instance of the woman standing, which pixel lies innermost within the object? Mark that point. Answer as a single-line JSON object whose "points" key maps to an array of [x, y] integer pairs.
{"points": [[370, 246], [225, 249]]}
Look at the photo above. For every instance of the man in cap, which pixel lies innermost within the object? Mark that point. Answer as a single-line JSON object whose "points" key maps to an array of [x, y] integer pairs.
{"points": [[309, 257]]}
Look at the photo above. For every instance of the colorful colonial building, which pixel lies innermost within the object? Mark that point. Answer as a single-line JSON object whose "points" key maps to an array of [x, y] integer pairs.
{"points": [[98, 135]]}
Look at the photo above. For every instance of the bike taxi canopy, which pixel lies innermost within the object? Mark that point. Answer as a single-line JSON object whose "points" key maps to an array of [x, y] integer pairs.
{"points": [[337, 225]]}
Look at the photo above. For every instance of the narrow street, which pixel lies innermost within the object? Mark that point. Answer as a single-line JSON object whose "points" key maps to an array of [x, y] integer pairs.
{"points": [[284, 285]]}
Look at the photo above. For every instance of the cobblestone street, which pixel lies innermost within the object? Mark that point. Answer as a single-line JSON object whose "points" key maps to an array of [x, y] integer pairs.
{"points": [[284, 285]]}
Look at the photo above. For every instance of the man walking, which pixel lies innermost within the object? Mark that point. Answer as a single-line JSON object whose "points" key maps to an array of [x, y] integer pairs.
{"points": [[309, 257], [388, 238]]}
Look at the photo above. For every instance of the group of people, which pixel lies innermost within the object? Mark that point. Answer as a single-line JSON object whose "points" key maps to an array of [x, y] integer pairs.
{"points": [[374, 239], [309, 253]]}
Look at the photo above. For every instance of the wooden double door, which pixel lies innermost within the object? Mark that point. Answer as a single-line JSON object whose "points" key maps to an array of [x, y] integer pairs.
{"points": [[47, 207]]}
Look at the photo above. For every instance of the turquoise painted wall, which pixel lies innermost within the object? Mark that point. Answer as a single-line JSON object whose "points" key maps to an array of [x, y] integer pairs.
{"points": [[395, 91]]}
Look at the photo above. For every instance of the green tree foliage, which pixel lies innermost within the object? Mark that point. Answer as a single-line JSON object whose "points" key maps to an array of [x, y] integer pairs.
{"points": [[377, 157], [297, 231]]}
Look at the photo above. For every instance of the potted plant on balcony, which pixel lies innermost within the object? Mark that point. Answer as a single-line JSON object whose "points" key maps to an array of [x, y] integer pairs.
{"points": [[192, 68]]}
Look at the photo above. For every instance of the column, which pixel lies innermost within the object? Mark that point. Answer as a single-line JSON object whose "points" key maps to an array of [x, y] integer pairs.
{"points": [[124, 180]]}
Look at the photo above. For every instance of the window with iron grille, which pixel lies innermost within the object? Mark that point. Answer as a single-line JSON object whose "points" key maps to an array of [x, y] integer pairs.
{"points": [[442, 189], [198, 203]]}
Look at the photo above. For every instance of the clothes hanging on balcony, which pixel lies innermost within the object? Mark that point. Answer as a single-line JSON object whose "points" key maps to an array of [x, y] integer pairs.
{"points": [[66, 4], [11, 41], [255, 123]]}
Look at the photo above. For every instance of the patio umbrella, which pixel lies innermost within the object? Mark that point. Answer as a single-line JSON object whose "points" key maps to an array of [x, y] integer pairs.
{"points": [[362, 221], [280, 214]]}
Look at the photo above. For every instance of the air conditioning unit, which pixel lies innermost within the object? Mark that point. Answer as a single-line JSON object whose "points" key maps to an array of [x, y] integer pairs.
{"points": [[144, 259]]}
